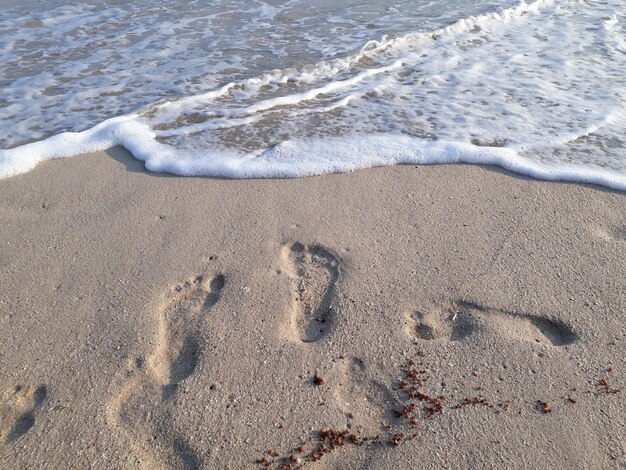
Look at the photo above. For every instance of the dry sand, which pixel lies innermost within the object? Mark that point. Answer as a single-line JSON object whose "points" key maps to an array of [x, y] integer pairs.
{"points": [[427, 317]]}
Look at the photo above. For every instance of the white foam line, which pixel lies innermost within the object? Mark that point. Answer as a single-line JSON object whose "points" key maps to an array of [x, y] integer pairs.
{"points": [[331, 107], [331, 87], [217, 124], [291, 158], [208, 125]]}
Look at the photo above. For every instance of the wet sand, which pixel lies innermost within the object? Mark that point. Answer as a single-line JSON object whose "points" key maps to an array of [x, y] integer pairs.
{"points": [[420, 317]]}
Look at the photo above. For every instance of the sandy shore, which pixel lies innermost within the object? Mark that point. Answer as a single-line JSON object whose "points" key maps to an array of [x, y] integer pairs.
{"points": [[426, 317]]}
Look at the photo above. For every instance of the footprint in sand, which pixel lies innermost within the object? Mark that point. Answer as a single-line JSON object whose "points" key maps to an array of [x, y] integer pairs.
{"points": [[178, 345], [457, 321], [615, 233], [314, 272], [142, 408], [364, 401], [18, 411]]}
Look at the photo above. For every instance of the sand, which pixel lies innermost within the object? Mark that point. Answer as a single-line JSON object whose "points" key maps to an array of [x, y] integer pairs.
{"points": [[422, 317]]}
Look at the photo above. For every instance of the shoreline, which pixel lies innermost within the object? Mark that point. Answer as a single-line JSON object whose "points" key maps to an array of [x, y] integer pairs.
{"points": [[153, 320], [111, 137]]}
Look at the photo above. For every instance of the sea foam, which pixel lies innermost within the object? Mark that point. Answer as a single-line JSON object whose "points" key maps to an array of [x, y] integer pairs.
{"points": [[537, 88]]}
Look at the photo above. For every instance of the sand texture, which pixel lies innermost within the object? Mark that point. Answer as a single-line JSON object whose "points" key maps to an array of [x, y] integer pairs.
{"points": [[395, 318]]}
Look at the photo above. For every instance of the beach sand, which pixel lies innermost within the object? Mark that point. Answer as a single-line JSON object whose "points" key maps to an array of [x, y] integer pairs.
{"points": [[445, 316]]}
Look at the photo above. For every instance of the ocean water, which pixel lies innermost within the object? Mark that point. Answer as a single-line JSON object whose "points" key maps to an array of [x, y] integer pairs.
{"points": [[287, 88]]}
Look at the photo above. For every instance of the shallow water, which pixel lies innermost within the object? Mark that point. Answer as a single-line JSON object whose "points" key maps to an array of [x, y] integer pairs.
{"points": [[293, 88]]}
